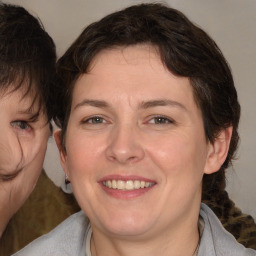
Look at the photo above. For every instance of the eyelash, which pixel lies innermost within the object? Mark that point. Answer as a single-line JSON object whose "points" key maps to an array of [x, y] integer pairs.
{"points": [[91, 120], [21, 125], [9, 177], [100, 120], [166, 120]]}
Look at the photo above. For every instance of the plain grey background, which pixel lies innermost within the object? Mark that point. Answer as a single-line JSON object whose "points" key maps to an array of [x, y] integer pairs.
{"points": [[232, 25]]}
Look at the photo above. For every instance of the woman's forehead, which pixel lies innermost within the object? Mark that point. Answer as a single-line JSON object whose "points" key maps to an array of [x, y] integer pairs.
{"points": [[24, 89], [20, 98]]}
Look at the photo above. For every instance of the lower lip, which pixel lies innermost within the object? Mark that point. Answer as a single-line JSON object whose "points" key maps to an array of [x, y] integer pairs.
{"points": [[126, 194]]}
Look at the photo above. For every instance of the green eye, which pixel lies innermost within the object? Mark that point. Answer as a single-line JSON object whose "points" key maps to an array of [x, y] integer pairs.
{"points": [[160, 120], [96, 120]]}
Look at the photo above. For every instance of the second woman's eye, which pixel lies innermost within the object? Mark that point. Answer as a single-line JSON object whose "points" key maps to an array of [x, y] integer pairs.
{"points": [[22, 125]]}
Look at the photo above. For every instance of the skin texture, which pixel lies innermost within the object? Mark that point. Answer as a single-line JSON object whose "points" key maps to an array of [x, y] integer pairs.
{"points": [[132, 119], [23, 141]]}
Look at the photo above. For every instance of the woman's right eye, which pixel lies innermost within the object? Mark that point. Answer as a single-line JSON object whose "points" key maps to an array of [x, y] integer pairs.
{"points": [[21, 125], [9, 177]]}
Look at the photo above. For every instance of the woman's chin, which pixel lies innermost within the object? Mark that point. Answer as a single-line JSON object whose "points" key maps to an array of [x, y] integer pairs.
{"points": [[127, 226]]}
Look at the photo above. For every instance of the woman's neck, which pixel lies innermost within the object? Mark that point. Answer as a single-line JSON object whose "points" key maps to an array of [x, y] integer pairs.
{"points": [[182, 242]]}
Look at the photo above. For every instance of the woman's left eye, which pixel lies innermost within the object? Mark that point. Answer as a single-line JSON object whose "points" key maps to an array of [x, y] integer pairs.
{"points": [[160, 120], [22, 125]]}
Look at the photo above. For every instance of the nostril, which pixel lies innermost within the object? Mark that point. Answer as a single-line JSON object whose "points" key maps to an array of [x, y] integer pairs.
{"points": [[125, 156], [124, 145]]}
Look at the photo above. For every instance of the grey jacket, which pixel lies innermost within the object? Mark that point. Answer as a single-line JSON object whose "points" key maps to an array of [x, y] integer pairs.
{"points": [[69, 239]]}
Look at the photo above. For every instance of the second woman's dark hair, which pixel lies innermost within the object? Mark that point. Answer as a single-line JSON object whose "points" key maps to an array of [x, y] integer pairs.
{"points": [[27, 56]]}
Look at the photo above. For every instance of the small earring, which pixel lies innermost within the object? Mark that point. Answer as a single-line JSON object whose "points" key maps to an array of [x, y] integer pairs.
{"points": [[66, 180]]}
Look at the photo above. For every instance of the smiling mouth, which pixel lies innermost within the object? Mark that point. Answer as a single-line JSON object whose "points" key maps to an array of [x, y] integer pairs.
{"points": [[127, 185]]}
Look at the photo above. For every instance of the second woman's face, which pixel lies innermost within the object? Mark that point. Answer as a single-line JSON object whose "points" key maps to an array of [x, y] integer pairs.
{"points": [[135, 145], [23, 140]]}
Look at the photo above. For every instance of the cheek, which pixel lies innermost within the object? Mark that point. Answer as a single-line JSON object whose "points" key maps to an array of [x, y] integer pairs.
{"points": [[34, 154], [16, 192], [83, 154], [29, 176], [33, 167], [10, 154], [83, 163], [35, 147], [178, 156]]}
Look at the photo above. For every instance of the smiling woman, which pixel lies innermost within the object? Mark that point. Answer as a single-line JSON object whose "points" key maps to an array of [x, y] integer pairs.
{"points": [[148, 114], [136, 141]]}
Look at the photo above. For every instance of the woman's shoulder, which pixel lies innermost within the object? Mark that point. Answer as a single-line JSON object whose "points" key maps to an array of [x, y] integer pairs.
{"points": [[215, 240], [66, 239]]}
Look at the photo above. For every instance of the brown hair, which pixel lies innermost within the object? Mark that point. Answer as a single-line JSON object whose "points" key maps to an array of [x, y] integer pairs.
{"points": [[27, 56], [27, 60]]}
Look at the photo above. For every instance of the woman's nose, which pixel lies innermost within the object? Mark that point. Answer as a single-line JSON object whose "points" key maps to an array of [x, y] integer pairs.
{"points": [[124, 145]]}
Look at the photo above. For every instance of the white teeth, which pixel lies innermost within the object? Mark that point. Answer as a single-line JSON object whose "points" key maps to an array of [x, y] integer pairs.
{"points": [[147, 184], [127, 185], [120, 184], [136, 184], [109, 183], [114, 184]]}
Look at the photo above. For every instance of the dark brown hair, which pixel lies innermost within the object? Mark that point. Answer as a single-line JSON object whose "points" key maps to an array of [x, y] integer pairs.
{"points": [[27, 61], [27, 56], [185, 49]]}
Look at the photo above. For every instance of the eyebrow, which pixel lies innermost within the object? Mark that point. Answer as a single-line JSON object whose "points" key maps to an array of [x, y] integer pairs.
{"points": [[162, 102], [93, 103], [143, 105]]}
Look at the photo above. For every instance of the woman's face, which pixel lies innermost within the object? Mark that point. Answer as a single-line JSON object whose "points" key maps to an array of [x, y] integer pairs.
{"points": [[23, 141], [135, 144]]}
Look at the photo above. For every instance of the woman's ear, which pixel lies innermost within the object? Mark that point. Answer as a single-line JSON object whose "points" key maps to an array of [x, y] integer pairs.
{"points": [[62, 152], [218, 151]]}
